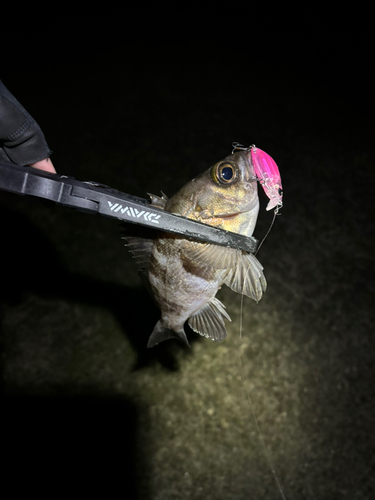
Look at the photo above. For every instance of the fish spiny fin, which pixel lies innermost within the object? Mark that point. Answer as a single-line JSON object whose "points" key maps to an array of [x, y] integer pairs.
{"points": [[141, 249], [247, 277], [210, 254], [209, 322], [158, 201]]}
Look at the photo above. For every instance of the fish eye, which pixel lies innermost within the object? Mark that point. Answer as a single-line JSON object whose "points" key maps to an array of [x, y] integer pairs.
{"points": [[224, 173]]}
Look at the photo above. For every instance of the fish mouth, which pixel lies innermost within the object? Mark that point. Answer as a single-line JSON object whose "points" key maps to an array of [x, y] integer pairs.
{"points": [[227, 216]]}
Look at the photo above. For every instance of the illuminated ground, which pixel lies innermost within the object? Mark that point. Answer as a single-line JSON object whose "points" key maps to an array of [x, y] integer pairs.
{"points": [[85, 401]]}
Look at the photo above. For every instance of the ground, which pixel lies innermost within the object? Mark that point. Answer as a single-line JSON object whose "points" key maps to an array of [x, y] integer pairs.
{"points": [[284, 407]]}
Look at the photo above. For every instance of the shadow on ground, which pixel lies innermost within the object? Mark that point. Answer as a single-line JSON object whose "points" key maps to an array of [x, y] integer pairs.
{"points": [[37, 269], [63, 443]]}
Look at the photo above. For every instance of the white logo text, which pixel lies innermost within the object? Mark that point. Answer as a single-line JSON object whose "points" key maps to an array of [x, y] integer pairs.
{"points": [[133, 212]]}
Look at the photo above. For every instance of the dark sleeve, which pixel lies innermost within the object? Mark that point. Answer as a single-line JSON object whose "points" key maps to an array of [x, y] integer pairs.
{"points": [[21, 139]]}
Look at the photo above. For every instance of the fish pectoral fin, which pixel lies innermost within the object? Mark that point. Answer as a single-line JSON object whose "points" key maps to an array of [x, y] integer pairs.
{"points": [[160, 333], [209, 322], [210, 254], [247, 277]]}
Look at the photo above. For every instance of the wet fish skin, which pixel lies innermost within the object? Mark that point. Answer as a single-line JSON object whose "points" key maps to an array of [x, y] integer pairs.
{"points": [[206, 200], [184, 275]]}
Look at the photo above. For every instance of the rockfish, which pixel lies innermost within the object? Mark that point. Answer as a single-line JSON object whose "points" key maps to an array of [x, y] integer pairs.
{"points": [[183, 275]]}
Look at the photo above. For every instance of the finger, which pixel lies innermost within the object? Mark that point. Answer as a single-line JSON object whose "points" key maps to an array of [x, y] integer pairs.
{"points": [[45, 164]]}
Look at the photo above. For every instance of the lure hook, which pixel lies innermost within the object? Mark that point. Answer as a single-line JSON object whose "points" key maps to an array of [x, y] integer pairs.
{"points": [[238, 146]]}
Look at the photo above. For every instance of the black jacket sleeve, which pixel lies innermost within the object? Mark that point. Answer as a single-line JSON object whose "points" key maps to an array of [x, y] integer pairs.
{"points": [[21, 140]]}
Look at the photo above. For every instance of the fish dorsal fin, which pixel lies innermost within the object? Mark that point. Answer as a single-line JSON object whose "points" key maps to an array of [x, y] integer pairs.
{"points": [[158, 201], [141, 250], [247, 277], [210, 254], [209, 322]]}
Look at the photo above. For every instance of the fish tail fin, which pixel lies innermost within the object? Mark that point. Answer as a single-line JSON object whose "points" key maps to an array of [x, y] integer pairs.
{"points": [[161, 333]]}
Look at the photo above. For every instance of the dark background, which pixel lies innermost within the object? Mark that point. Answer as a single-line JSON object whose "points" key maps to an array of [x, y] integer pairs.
{"points": [[143, 102]]}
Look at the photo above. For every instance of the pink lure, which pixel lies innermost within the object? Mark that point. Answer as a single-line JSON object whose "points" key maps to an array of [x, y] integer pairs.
{"points": [[268, 175]]}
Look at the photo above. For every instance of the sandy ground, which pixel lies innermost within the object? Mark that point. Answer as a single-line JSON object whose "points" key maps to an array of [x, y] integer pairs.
{"points": [[286, 409]]}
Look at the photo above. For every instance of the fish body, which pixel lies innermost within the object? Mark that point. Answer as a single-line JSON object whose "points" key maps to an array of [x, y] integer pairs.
{"points": [[184, 275]]}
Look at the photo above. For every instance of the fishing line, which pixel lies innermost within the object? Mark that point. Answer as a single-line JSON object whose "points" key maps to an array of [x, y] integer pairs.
{"points": [[261, 437], [263, 172], [241, 310], [276, 212], [260, 434]]}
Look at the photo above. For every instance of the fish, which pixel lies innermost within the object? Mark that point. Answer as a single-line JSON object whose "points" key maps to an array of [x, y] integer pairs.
{"points": [[183, 275]]}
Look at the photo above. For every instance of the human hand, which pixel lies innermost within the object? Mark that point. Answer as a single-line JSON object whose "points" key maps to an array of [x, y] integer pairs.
{"points": [[45, 165], [21, 140]]}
